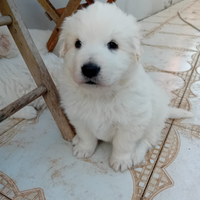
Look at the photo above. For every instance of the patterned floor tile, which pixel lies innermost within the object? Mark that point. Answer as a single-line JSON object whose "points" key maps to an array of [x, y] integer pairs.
{"points": [[161, 58], [189, 43], [179, 30], [148, 26], [191, 101], [177, 166], [155, 19], [142, 173], [9, 190], [172, 80], [10, 127]]}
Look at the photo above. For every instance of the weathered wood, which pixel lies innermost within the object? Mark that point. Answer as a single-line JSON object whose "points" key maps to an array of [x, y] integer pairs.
{"points": [[69, 10], [50, 10], [90, 1], [61, 10], [111, 1], [5, 20], [36, 66], [21, 102], [84, 5]]}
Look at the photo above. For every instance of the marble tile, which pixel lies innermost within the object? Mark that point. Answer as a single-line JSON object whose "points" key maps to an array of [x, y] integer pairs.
{"points": [[191, 101], [176, 174], [189, 43], [179, 30], [167, 59], [148, 26], [42, 159], [178, 21], [156, 19], [167, 15]]}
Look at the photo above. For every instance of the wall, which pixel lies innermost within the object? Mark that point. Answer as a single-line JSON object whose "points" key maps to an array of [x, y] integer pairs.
{"points": [[144, 8], [33, 13]]}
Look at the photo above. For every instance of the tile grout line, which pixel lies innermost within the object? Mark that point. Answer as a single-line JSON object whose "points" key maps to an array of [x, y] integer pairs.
{"points": [[5, 196], [198, 56], [162, 24], [157, 160], [195, 64], [1, 134], [168, 47]]}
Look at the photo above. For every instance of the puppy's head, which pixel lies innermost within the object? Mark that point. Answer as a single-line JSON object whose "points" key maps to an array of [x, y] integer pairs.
{"points": [[100, 45]]}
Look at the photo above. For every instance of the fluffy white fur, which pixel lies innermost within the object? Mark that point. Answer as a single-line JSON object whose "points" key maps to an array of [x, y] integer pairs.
{"points": [[16, 81], [15, 78], [8, 48], [125, 106]]}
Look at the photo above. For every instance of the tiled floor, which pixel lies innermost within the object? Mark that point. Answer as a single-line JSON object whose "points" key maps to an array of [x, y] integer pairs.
{"points": [[37, 164]]}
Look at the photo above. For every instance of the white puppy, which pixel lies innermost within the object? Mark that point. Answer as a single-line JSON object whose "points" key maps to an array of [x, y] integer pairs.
{"points": [[104, 90]]}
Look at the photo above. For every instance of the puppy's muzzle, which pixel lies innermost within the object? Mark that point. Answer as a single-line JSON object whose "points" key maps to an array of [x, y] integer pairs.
{"points": [[90, 72]]}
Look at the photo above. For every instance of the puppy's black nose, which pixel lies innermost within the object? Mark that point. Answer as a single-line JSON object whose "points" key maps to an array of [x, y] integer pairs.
{"points": [[90, 70]]}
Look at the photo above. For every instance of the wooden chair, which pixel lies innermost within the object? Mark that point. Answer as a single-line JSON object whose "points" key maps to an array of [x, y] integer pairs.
{"points": [[30, 54], [59, 15]]}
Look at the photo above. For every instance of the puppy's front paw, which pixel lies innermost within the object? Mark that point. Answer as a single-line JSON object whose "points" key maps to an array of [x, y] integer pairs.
{"points": [[81, 149], [75, 140], [121, 164], [29, 112]]}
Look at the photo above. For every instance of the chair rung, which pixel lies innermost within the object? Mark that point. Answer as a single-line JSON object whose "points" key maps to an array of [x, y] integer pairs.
{"points": [[21, 102], [5, 20]]}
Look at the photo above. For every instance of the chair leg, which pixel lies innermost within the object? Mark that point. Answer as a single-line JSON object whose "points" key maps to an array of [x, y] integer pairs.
{"points": [[111, 1], [36, 66], [50, 10], [69, 10]]}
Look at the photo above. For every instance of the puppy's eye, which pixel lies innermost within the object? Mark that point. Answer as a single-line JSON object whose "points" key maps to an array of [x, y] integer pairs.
{"points": [[112, 45], [78, 44]]}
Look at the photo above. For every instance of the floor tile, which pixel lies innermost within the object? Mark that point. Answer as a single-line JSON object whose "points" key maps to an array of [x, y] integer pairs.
{"points": [[176, 174], [142, 173], [161, 59], [191, 43], [148, 26], [191, 101], [171, 74], [37, 154], [9, 190], [155, 19], [179, 30]]}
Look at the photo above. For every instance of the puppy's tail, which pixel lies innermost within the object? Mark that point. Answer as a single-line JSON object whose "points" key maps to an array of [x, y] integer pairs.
{"points": [[177, 113]]}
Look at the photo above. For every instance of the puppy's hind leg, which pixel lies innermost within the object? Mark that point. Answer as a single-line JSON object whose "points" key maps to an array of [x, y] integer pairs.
{"points": [[139, 154], [28, 112], [84, 143], [152, 138]]}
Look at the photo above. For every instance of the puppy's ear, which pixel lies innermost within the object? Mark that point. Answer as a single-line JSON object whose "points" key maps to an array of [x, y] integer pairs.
{"points": [[136, 48], [62, 43], [63, 48], [5, 45], [135, 38]]}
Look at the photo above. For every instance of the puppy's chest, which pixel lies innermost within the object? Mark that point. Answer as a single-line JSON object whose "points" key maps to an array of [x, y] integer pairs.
{"points": [[99, 117]]}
